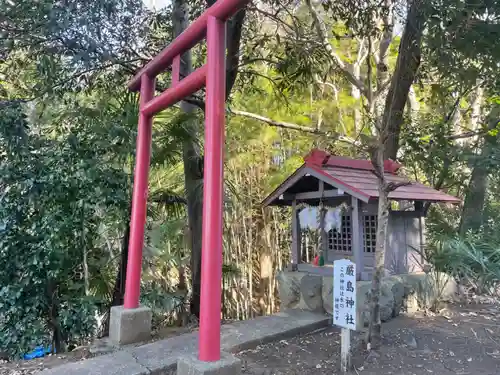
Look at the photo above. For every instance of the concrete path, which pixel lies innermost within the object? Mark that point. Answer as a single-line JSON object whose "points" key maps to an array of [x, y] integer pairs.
{"points": [[160, 358]]}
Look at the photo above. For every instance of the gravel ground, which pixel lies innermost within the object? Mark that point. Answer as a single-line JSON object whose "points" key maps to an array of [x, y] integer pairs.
{"points": [[460, 341]]}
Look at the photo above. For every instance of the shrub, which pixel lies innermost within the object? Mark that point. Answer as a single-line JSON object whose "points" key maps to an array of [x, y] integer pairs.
{"points": [[474, 261]]}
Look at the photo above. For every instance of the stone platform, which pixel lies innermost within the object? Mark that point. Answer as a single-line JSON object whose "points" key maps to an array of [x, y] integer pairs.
{"points": [[307, 291], [160, 357]]}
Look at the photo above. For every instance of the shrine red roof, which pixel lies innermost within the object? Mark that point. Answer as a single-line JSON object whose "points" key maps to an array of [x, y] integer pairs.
{"points": [[352, 176]]}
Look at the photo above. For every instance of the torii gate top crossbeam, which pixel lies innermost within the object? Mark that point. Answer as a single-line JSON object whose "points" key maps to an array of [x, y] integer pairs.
{"points": [[222, 10]]}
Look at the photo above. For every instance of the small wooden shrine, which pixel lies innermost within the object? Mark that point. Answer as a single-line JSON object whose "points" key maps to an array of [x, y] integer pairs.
{"points": [[344, 193]]}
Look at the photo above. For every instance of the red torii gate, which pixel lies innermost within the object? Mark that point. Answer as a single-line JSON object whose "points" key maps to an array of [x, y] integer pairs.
{"points": [[212, 24]]}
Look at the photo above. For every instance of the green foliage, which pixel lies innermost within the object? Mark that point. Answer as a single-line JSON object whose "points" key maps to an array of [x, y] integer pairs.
{"points": [[463, 41], [358, 15], [166, 306], [69, 43], [66, 166], [426, 147], [55, 193]]}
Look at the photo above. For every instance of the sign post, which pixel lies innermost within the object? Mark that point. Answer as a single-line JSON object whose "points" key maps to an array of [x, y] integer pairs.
{"points": [[344, 306]]}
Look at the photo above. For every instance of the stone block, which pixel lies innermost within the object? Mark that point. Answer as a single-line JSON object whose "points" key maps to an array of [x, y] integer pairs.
{"points": [[310, 293], [128, 326], [362, 304], [191, 365], [160, 357], [289, 288], [427, 290], [386, 301], [304, 291], [327, 294], [399, 293]]}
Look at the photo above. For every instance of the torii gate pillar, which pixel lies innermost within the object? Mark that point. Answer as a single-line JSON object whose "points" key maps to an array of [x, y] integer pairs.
{"points": [[212, 24]]}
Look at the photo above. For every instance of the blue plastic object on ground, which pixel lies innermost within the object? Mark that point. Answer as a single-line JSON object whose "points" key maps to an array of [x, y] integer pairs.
{"points": [[38, 352]]}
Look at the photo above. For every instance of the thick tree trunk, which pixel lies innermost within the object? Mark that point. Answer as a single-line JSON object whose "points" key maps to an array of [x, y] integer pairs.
{"points": [[192, 155], [407, 65], [193, 161], [193, 177]]}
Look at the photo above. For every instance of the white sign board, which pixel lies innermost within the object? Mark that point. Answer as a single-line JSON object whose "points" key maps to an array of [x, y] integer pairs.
{"points": [[344, 294]]}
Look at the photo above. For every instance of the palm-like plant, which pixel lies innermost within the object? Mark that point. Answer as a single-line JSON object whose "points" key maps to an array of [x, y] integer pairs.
{"points": [[474, 261]]}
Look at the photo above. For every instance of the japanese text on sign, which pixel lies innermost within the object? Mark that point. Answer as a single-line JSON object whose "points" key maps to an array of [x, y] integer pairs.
{"points": [[344, 294]]}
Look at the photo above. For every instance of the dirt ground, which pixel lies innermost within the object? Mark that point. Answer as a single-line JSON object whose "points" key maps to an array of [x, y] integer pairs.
{"points": [[459, 341], [99, 348]]}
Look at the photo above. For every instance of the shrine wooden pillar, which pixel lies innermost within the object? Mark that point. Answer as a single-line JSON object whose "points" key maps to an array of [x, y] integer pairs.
{"points": [[357, 236], [323, 234], [296, 236]]}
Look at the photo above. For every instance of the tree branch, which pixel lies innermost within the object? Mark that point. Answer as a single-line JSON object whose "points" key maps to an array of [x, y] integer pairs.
{"points": [[362, 53], [391, 186], [385, 43], [339, 64], [290, 126], [273, 17], [468, 134]]}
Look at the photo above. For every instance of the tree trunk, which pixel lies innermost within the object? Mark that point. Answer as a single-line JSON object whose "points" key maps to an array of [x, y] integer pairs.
{"points": [[374, 329], [383, 73], [407, 65], [58, 340], [119, 288], [473, 210], [475, 117], [193, 177], [192, 155], [385, 43], [193, 161], [472, 213], [387, 147], [355, 92], [413, 105]]}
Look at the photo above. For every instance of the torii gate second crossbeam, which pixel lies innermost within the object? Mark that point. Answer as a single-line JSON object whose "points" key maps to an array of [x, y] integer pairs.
{"points": [[211, 23]]}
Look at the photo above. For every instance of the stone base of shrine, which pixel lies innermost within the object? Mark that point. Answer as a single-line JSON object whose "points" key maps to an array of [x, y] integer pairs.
{"points": [[399, 293], [129, 326], [191, 365]]}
